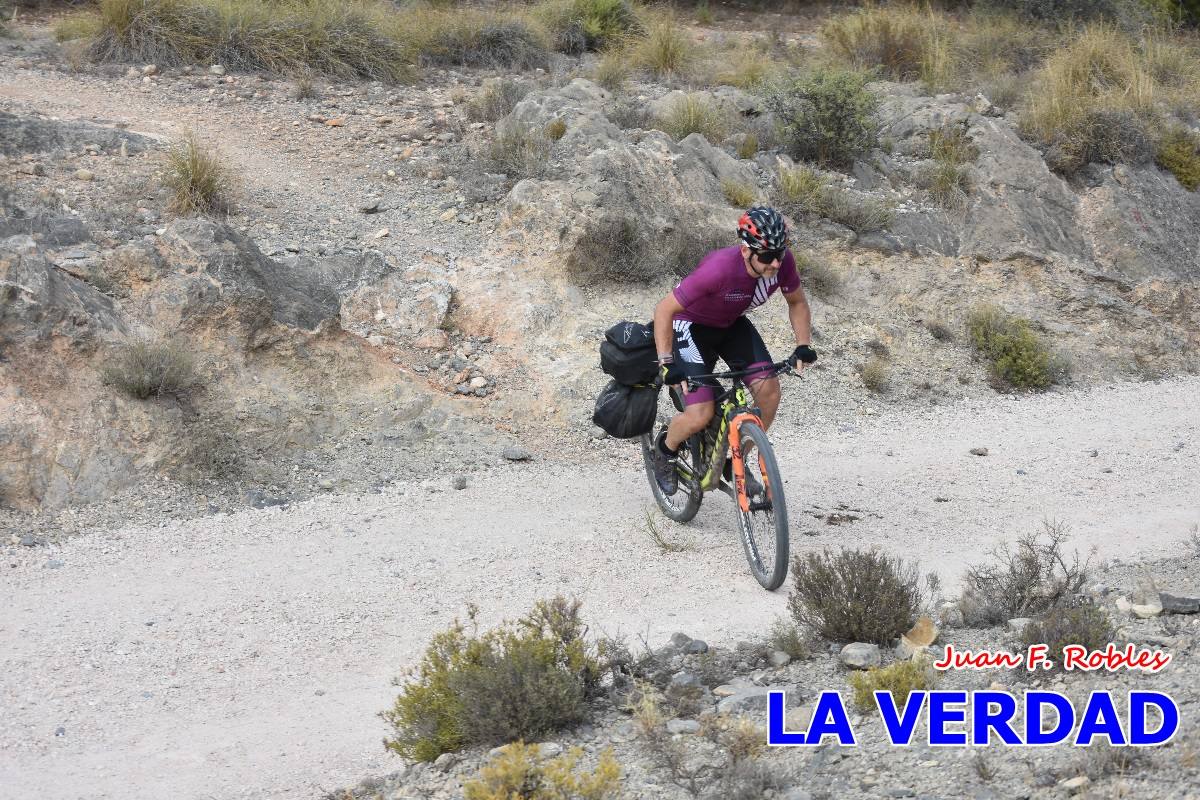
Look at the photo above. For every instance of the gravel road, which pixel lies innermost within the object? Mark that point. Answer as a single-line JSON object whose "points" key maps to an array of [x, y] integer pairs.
{"points": [[246, 655]]}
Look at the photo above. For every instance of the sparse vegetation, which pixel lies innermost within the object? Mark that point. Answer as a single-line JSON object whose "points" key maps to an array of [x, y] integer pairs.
{"points": [[899, 680], [519, 153], [804, 190], [876, 374], [984, 768], [828, 116], [818, 277], [947, 179], [694, 113], [786, 638], [661, 541], [907, 43], [577, 26], [518, 773], [939, 330], [521, 680], [1016, 356], [496, 100], [748, 146], [468, 36], [199, 181], [854, 595], [150, 367], [616, 248], [612, 70], [1084, 625], [302, 87], [556, 130], [1179, 154], [666, 51], [738, 195], [1031, 578]]}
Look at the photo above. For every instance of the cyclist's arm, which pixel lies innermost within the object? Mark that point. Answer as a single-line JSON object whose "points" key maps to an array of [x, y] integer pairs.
{"points": [[664, 313], [799, 315]]}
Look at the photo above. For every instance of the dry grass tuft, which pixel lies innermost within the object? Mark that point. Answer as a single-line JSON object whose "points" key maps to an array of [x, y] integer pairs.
{"points": [[150, 367], [200, 183]]}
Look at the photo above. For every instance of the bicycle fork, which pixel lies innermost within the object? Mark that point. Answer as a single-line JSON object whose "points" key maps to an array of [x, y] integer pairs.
{"points": [[739, 466]]}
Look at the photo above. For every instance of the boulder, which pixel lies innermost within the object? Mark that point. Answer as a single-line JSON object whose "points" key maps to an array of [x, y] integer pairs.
{"points": [[860, 655]]}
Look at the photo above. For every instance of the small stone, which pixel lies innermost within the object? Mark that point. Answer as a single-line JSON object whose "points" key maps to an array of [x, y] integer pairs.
{"points": [[979, 451], [599, 433], [458, 482], [1123, 604], [60, 731], [1018, 624], [683, 726], [516, 454], [725, 690], [900, 791], [1076, 784], [29, 540], [448, 214], [549, 749], [150, 69], [860, 655], [85, 175], [54, 563], [370, 207], [778, 658], [478, 382], [696, 647], [216, 69], [445, 762], [684, 680], [382, 233], [319, 692], [334, 123], [680, 640]]}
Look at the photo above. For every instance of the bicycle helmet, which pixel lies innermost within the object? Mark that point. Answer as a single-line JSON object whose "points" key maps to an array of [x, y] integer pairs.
{"points": [[763, 228]]}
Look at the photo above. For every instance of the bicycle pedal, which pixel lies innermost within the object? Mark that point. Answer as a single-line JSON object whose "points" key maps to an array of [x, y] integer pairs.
{"points": [[761, 505]]}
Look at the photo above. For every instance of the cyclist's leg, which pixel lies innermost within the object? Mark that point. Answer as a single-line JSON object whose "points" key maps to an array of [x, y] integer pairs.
{"points": [[743, 348], [695, 354]]}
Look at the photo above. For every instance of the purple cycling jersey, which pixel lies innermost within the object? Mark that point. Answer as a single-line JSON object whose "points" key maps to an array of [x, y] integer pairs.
{"points": [[719, 289]]}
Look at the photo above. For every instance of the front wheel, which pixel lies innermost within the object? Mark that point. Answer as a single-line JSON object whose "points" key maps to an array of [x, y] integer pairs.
{"points": [[764, 527]]}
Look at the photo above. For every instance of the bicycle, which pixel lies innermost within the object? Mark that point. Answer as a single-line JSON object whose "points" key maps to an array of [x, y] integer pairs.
{"points": [[735, 426]]}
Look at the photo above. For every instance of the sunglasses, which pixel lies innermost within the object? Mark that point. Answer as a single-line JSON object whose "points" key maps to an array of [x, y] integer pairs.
{"points": [[769, 256]]}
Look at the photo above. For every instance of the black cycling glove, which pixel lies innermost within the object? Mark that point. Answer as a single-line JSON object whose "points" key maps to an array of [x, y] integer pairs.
{"points": [[803, 353], [672, 374]]}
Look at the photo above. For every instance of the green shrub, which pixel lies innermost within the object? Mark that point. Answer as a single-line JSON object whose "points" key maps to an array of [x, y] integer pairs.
{"points": [[1016, 356], [694, 113], [786, 638], [341, 39], [518, 773], [899, 680], [521, 680], [147, 368], [199, 182], [827, 116], [581, 25], [1085, 625], [854, 595], [1179, 154], [1031, 579], [497, 100]]}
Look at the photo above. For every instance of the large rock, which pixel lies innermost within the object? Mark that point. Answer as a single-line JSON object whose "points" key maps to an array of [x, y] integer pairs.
{"points": [[860, 655], [400, 307], [20, 135], [754, 700]]}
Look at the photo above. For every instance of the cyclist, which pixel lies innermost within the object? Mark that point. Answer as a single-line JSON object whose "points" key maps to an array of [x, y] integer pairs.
{"points": [[703, 319]]}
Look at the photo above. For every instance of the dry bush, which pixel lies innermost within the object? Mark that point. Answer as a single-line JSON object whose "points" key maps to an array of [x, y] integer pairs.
{"points": [[805, 190], [738, 195], [613, 69], [469, 36], [695, 113], [519, 154], [1094, 100], [347, 40], [876, 374], [665, 51], [521, 680], [819, 278], [1101, 760], [302, 87], [617, 248], [939, 330], [747, 67], [629, 114], [854, 595], [786, 637], [904, 41], [150, 367], [1085, 625], [899, 680], [577, 26], [748, 146], [496, 100], [1031, 579], [556, 130], [518, 773], [651, 726], [199, 181]]}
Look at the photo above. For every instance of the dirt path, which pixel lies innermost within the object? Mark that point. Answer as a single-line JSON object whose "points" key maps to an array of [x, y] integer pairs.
{"points": [[247, 655]]}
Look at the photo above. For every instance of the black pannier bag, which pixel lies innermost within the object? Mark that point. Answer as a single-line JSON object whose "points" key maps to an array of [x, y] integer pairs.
{"points": [[626, 411], [628, 354]]}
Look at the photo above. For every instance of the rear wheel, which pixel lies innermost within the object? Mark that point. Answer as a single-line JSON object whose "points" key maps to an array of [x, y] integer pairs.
{"points": [[683, 505], [764, 528]]}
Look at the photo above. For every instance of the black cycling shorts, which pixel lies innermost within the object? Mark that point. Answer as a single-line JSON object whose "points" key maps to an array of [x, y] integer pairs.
{"points": [[697, 348]]}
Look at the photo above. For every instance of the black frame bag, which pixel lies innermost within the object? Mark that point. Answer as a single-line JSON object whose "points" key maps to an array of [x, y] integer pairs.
{"points": [[628, 353], [626, 411]]}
